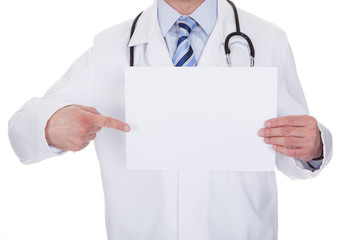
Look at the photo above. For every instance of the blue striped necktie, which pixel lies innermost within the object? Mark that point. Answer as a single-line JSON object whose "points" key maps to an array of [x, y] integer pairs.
{"points": [[184, 55]]}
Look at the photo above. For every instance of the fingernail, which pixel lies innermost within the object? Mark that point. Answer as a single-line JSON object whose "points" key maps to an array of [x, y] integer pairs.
{"points": [[126, 128], [261, 132], [267, 124], [267, 140]]}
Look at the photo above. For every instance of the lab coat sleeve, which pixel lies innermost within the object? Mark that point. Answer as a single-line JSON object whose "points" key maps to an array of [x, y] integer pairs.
{"points": [[27, 125], [291, 101]]}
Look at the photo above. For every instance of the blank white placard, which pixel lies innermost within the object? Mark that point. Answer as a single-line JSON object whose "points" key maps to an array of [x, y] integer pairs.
{"points": [[199, 119]]}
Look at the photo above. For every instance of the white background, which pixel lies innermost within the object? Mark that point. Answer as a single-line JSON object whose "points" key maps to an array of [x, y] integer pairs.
{"points": [[62, 198]]}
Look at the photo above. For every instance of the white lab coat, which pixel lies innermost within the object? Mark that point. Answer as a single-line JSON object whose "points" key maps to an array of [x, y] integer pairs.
{"points": [[170, 205]]}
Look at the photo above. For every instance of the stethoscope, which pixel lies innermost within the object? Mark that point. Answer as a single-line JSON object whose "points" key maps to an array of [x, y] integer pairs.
{"points": [[227, 41]]}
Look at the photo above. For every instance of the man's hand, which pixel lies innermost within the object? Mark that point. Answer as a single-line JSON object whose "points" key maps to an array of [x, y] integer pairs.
{"points": [[73, 127], [294, 136]]}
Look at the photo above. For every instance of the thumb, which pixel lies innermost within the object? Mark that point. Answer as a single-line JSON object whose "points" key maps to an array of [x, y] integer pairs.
{"points": [[88, 109]]}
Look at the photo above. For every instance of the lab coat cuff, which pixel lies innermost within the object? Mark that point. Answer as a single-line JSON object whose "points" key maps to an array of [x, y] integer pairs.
{"points": [[53, 105], [56, 151], [310, 165]]}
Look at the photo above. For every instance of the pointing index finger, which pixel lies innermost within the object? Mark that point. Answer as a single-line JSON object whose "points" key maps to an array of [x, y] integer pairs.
{"points": [[109, 122]]}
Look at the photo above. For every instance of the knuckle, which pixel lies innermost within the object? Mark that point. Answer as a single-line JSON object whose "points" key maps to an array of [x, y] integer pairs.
{"points": [[83, 146], [95, 129], [313, 133], [78, 142], [291, 141], [83, 132], [93, 110], [292, 121], [89, 117], [311, 121], [75, 148], [80, 146], [82, 119], [106, 122], [286, 131], [93, 136]]}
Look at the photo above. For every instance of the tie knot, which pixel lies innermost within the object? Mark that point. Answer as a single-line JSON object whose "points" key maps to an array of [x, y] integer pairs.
{"points": [[186, 25]]}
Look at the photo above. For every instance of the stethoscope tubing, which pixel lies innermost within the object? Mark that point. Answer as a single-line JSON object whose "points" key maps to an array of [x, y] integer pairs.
{"points": [[131, 63]]}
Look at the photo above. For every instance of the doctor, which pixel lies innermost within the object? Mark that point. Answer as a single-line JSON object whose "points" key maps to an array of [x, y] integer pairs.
{"points": [[169, 205]]}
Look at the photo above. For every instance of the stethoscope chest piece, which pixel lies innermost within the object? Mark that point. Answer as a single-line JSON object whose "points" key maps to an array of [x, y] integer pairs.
{"points": [[229, 62]]}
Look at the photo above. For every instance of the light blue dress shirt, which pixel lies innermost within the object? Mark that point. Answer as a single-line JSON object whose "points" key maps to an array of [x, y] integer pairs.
{"points": [[206, 16]]}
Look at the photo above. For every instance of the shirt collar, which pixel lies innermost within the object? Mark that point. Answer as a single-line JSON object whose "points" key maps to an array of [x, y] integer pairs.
{"points": [[205, 15]]}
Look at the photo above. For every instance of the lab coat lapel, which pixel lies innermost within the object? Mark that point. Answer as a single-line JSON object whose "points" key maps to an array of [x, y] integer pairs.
{"points": [[214, 51], [157, 53], [149, 35]]}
